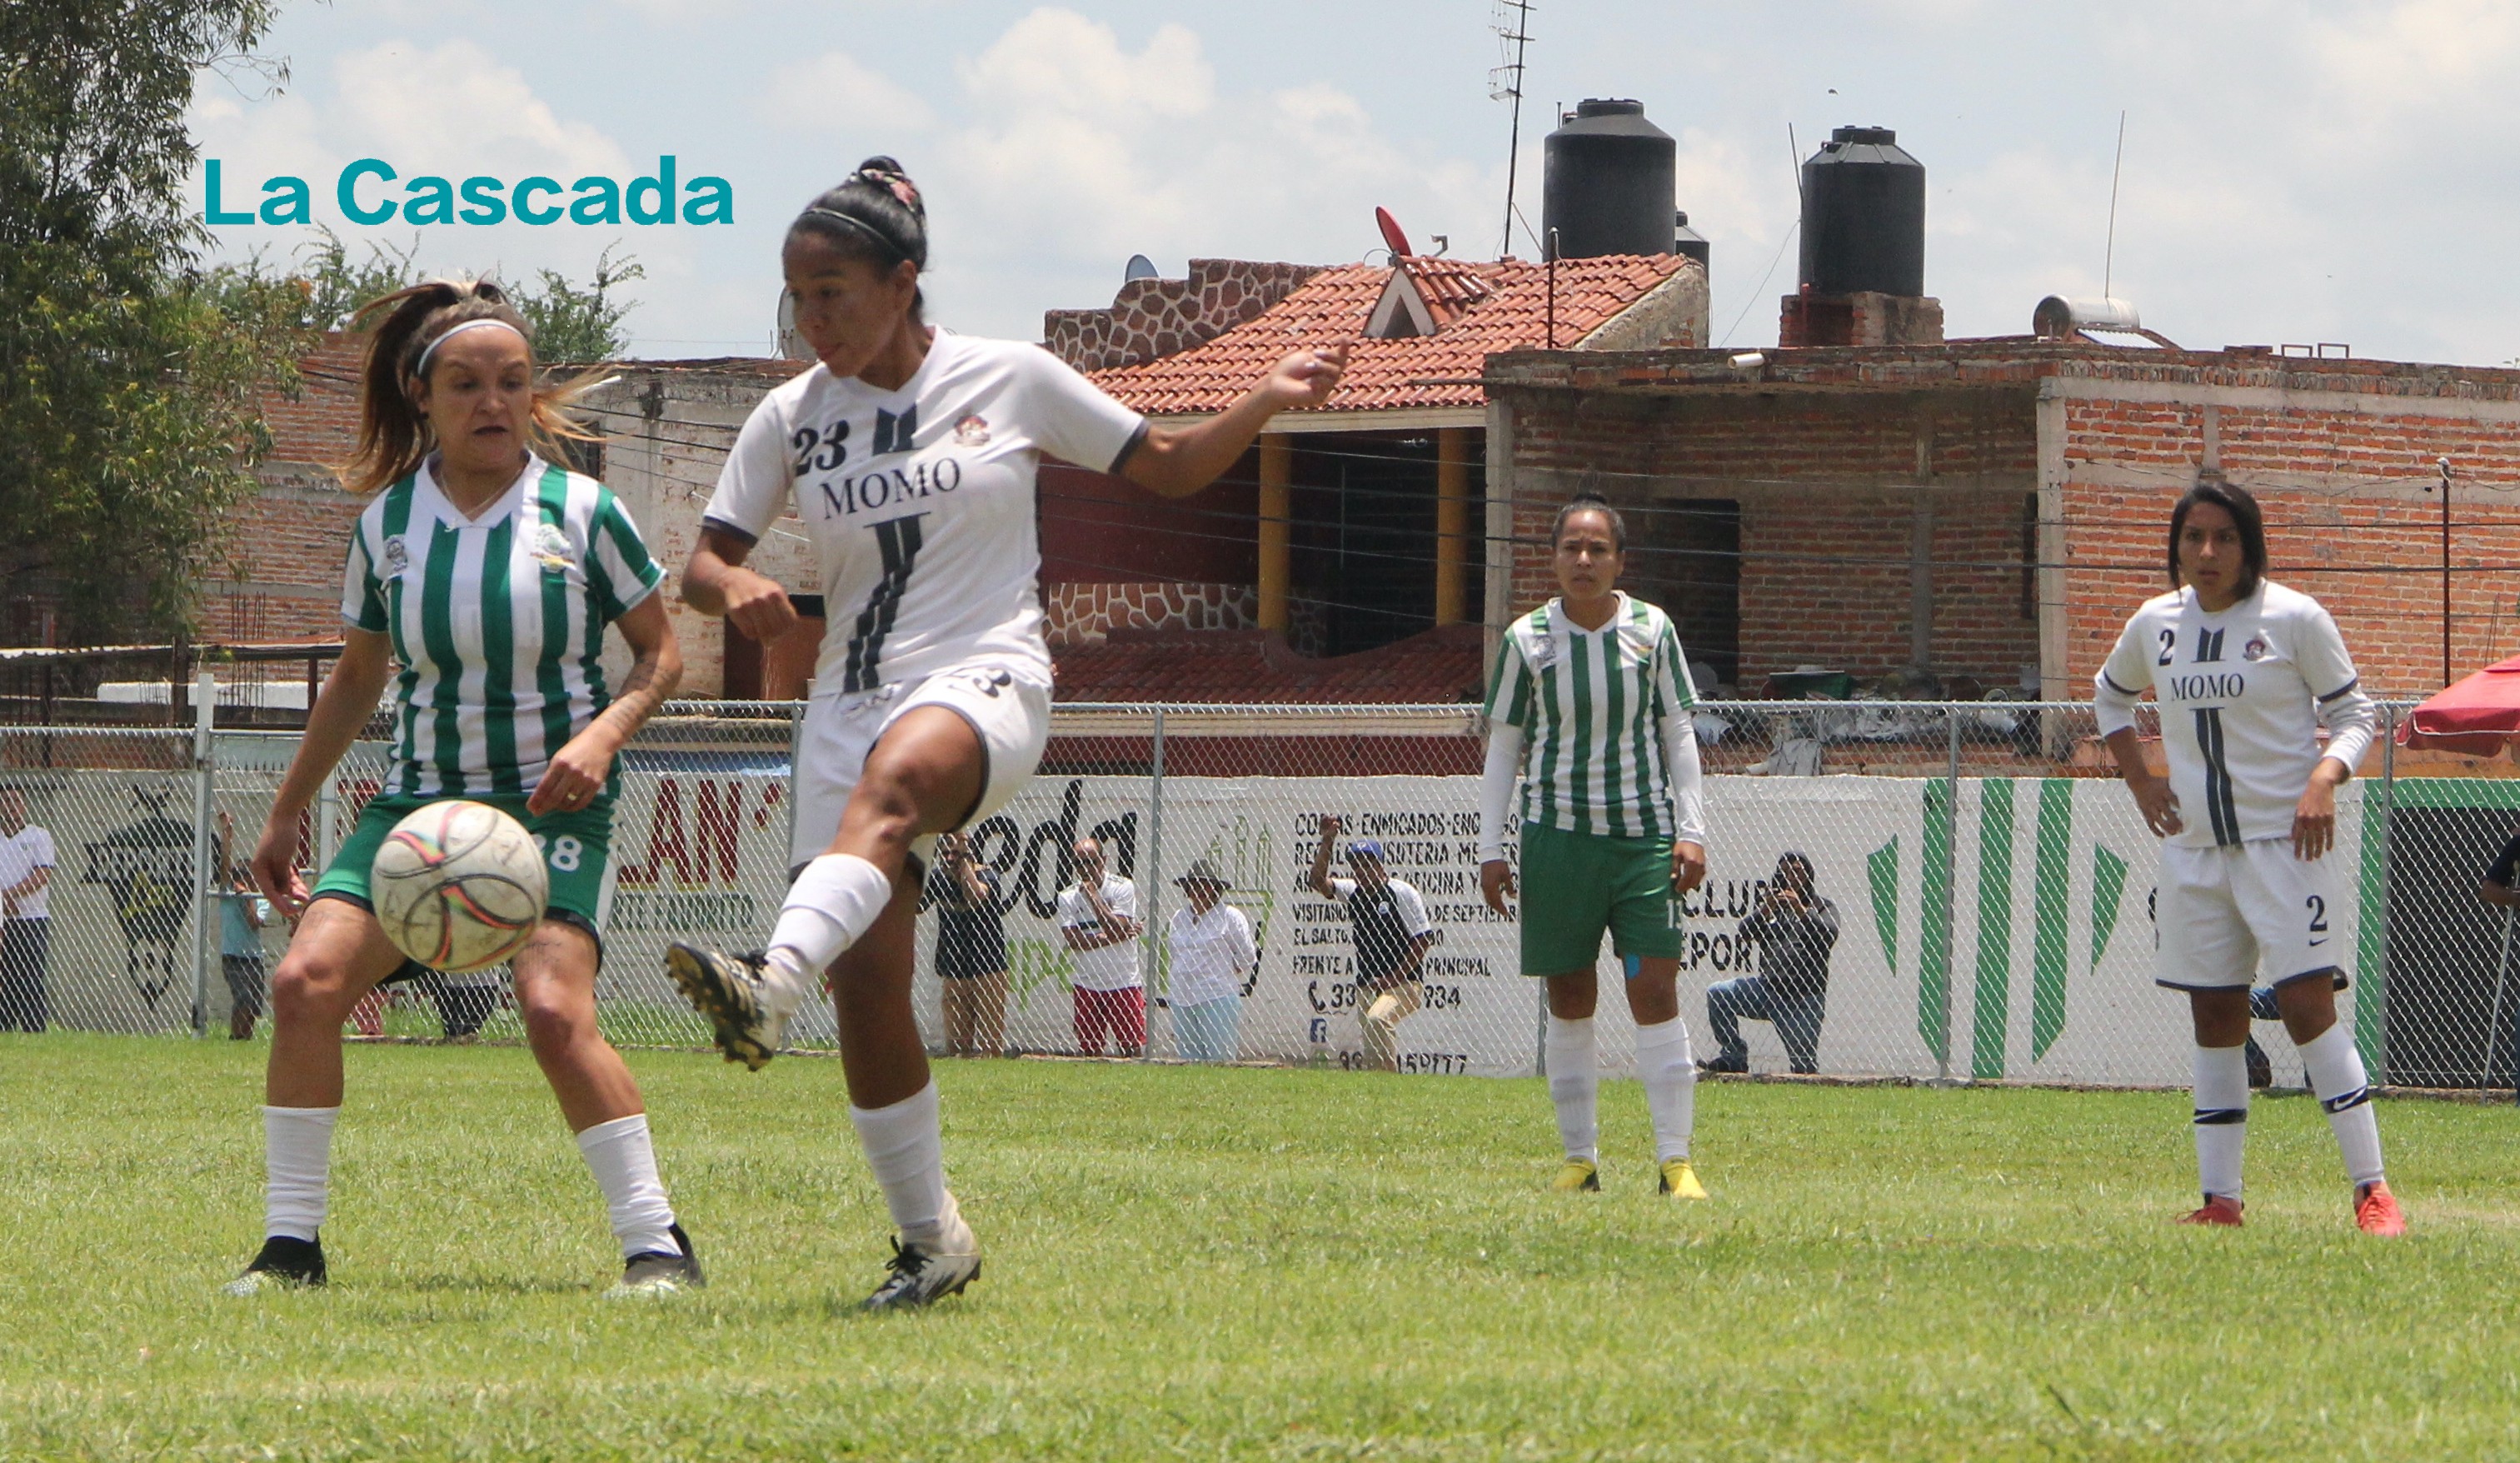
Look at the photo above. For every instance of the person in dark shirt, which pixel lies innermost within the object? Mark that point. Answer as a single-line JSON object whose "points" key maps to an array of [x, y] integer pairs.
{"points": [[1794, 930], [971, 951], [1391, 935]]}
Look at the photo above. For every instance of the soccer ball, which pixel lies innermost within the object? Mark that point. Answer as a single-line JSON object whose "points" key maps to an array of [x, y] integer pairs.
{"points": [[459, 886]]}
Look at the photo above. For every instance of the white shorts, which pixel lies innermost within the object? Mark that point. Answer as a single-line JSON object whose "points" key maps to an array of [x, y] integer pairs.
{"points": [[1011, 716], [2222, 913]]}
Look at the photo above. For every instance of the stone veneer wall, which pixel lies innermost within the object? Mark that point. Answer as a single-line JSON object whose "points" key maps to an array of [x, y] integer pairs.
{"points": [[1084, 613], [1151, 318]]}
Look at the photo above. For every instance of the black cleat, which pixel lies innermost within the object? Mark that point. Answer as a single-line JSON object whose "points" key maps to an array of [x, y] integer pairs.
{"points": [[1722, 1066], [284, 1264], [659, 1272]]}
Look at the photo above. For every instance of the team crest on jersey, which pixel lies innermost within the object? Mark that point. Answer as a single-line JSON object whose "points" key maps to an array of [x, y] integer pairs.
{"points": [[397, 557], [2257, 649], [552, 546], [971, 432]]}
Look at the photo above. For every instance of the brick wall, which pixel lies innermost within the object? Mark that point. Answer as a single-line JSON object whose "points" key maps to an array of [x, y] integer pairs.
{"points": [[1156, 317], [2348, 520], [1096, 529], [2340, 452], [283, 574], [1827, 495]]}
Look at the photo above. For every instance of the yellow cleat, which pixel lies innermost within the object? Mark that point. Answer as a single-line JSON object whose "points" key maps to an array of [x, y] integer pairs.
{"points": [[1680, 1181], [1578, 1177]]}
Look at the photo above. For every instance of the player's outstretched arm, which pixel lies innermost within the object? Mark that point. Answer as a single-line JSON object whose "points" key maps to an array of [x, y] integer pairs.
{"points": [[341, 711], [578, 770], [1179, 462]]}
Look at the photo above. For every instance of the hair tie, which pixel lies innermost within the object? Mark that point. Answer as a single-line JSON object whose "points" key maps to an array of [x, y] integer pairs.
{"points": [[420, 368]]}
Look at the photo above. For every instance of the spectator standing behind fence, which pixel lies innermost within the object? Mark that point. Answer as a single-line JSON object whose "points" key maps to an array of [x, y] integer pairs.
{"points": [[1390, 933], [1208, 951], [242, 912], [26, 916], [971, 951], [1794, 930], [1098, 915]]}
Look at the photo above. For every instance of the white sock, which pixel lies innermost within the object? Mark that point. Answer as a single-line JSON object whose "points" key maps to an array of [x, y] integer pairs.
{"points": [[297, 1170], [831, 904], [1671, 1085], [905, 1146], [625, 1167], [2335, 1072], [2222, 1118], [1575, 1087]]}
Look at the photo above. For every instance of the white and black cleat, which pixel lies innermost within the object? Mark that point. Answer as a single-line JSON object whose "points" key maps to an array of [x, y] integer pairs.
{"points": [[283, 1263], [734, 991], [917, 1277], [658, 1273]]}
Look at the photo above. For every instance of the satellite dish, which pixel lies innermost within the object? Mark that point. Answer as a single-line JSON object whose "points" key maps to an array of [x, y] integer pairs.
{"points": [[1138, 267], [1391, 235], [785, 343]]}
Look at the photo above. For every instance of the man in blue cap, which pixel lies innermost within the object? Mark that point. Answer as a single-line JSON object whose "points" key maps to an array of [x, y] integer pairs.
{"points": [[1388, 917]]}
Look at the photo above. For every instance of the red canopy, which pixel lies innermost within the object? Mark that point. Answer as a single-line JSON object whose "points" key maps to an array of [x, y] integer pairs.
{"points": [[2480, 715]]}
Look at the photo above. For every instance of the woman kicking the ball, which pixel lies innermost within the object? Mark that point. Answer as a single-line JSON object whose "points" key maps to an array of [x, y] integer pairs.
{"points": [[2244, 672], [909, 454], [1590, 707], [487, 575]]}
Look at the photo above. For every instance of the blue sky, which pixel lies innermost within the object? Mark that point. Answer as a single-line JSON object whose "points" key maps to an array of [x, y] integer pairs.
{"points": [[2296, 172]]}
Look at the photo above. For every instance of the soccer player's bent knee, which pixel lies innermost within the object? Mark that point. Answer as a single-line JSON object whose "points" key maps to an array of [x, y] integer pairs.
{"points": [[305, 990], [555, 1023]]}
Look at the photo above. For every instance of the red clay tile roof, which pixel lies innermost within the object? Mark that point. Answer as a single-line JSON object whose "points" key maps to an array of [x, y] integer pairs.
{"points": [[1244, 666], [1478, 308]]}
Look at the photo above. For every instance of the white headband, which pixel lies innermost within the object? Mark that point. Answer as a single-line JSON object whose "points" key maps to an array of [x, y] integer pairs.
{"points": [[420, 369]]}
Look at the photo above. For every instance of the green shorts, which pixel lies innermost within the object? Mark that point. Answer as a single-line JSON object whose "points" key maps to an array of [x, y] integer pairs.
{"points": [[577, 848], [1576, 885]]}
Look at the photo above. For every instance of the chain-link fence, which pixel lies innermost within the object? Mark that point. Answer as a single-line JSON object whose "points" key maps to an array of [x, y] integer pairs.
{"points": [[1989, 879]]}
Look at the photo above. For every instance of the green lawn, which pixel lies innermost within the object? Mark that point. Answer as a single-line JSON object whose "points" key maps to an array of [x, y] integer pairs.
{"points": [[1240, 1263]]}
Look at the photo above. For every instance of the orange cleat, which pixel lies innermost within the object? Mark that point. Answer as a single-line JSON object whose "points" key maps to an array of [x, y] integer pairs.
{"points": [[2376, 1211], [2220, 1209]]}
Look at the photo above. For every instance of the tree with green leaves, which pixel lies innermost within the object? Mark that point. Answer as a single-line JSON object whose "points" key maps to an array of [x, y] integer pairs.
{"points": [[128, 418], [323, 287]]}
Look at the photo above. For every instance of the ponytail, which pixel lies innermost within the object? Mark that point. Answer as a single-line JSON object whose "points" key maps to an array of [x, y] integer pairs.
{"points": [[395, 435]]}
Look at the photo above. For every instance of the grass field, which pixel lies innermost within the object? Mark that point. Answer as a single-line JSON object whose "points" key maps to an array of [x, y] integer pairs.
{"points": [[1242, 1263]]}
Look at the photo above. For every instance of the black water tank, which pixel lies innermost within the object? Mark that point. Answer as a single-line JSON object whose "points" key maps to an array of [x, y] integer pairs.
{"points": [[1608, 184], [1863, 215], [1688, 241]]}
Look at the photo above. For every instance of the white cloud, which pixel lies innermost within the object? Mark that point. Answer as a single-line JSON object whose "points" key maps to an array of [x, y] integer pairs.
{"points": [[833, 92]]}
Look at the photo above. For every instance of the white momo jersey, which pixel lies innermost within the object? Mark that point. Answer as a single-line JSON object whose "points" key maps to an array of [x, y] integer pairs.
{"points": [[920, 503], [2243, 695]]}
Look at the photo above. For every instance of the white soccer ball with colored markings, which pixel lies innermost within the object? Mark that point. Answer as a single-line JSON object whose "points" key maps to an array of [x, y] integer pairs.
{"points": [[459, 886]]}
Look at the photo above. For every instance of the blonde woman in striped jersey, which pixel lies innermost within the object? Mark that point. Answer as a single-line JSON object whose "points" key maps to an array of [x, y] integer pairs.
{"points": [[481, 580], [1590, 707]]}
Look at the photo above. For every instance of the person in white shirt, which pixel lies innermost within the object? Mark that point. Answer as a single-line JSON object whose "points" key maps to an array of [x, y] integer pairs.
{"points": [[1208, 955], [909, 454], [26, 916], [2244, 672], [1097, 917]]}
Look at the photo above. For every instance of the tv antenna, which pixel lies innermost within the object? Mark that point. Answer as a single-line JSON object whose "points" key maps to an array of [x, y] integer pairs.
{"points": [[1512, 22], [2109, 250]]}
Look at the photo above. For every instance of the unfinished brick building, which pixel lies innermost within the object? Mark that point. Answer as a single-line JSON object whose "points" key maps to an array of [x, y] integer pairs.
{"points": [[1991, 509]]}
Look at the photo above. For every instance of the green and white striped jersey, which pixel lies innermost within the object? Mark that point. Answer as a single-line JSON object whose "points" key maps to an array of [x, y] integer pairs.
{"points": [[497, 620], [1594, 706]]}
